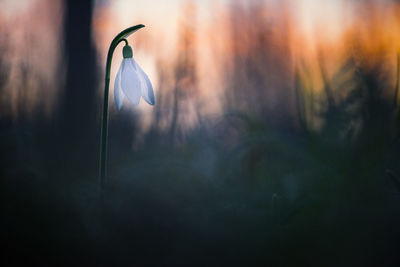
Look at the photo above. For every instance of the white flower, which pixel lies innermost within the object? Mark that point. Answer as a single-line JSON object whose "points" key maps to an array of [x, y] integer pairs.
{"points": [[132, 82]]}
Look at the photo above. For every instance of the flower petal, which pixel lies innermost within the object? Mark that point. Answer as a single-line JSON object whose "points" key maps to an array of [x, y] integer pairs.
{"points": [[119, 96], [146, 88], [130, 82]]}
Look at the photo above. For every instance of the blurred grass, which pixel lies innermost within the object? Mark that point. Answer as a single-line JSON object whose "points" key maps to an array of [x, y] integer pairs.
{"points": [[240, 192], [288, 175]]}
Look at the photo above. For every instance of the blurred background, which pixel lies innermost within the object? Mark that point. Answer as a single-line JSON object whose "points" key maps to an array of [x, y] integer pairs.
{"points": [[275, 138]]}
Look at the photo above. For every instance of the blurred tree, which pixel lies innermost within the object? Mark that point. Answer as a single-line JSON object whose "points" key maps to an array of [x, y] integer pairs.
{"points": [[185, 73], [79, 102], [258, 70]]}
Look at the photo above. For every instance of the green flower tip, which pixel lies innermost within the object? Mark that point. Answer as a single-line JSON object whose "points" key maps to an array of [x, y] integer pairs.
{"points": [[127, 51]]}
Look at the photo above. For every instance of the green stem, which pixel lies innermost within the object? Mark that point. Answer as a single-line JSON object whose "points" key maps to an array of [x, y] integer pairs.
{"points": [[104, 130]]}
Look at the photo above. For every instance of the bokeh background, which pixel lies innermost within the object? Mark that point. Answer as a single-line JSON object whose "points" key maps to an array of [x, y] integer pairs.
{"points": [[275, 138]]}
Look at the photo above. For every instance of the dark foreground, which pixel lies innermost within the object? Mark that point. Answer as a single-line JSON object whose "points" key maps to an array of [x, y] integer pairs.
{"points": [[261, 198]]}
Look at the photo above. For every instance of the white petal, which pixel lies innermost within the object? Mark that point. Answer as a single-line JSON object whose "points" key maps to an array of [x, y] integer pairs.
{"points": [[146, 88], [119, 96], [130, 82]]}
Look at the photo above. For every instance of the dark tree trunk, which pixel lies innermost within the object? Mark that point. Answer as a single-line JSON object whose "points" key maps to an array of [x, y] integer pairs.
{"points": [[79, 105]]}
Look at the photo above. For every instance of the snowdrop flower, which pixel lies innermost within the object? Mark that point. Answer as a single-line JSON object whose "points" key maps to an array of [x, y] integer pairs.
{"points": [[131, 82]]}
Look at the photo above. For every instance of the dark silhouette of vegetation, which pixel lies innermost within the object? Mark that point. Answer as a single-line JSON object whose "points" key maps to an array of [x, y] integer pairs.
{"points": [[292, 173]]}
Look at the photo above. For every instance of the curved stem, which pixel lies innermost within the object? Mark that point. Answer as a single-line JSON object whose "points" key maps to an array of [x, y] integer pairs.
{"points": [[104, 129], [126, 41]]}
